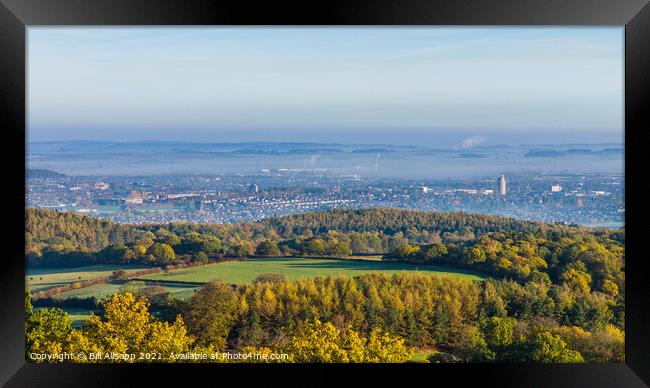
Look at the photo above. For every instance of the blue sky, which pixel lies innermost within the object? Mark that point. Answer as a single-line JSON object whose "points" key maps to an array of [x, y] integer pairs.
{"points": [[201, 83]]}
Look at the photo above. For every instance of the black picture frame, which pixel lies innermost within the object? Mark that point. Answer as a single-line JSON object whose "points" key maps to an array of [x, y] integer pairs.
{"points": [[16, 15]]}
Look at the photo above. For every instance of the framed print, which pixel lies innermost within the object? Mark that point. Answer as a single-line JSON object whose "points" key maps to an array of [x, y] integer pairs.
{"points": [[384, 190]]}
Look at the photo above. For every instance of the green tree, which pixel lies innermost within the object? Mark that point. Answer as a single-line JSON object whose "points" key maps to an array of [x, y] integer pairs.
{"points": [[434, 252], [200, 257], [211, 314], [469, 345], [267, 248], [315, 247], [28, 304], [475, 255], [549, 348], [404, 252], [498, 332], [167, 237], [46, 330], [339, 249], [161, 252], [195, 242]]}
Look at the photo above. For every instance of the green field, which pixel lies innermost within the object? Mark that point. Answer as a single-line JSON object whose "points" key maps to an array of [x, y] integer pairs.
{"points": [[99, 291], [245, 271], [43, 278], [235, 272], [76, 315]]}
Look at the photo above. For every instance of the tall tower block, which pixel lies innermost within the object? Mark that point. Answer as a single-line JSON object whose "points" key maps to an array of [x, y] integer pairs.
{"points": [[502, 185]]}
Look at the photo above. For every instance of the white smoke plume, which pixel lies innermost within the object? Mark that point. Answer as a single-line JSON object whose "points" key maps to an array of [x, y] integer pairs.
{"points": [[472, 141], [313, 161]]}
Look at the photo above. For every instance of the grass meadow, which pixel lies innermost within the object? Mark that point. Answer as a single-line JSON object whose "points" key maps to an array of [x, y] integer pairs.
{"points": [[245, 271], [38, 279], [233, 272]]}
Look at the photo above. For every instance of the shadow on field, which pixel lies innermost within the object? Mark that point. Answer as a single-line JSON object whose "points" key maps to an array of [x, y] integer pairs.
{"points": [[53, 284], [43, 271], [356, 265]]}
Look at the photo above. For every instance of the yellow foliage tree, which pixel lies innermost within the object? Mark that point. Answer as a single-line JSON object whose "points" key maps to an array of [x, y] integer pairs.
{"points": [[325, 343], [577, 279], [382, 347], [129, 328], [610, 288]]}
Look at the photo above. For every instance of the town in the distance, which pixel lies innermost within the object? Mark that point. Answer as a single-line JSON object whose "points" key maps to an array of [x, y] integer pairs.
{"points": [[583, 199]]}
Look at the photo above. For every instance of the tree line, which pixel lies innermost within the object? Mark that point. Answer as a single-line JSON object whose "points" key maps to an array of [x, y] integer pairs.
{"points": [[366, 318], [579, 259], [66, 239]]}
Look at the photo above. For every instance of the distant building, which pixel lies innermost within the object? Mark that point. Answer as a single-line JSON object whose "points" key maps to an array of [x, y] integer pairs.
{"points": [[136, 194], [134, 198], [102, 186], [178, 195], [133, 201], [425, 189], [502, 184], [556, 188], [253, 188], [108, 201]]}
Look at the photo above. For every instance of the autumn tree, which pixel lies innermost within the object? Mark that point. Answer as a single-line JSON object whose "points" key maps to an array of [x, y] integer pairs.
{"points": [[267, 248], [315, 247], [128, 327], [433, 252], [550, 348], [325, 343], [383, 347], [577, 279], [161, 252], [469, 344], [498, 332], [46, 331], [200, 257], [211, 314], [339, 249]]}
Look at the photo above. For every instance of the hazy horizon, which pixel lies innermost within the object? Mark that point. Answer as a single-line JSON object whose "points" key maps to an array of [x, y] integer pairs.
{"points": [[450, 140], [471, 158]]}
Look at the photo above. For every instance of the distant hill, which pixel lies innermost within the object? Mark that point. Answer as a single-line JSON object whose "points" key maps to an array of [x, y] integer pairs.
{"points": [[391, 221], [72, 231], [37, 173], [68, 239], [69, 230], [572, 152]]}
